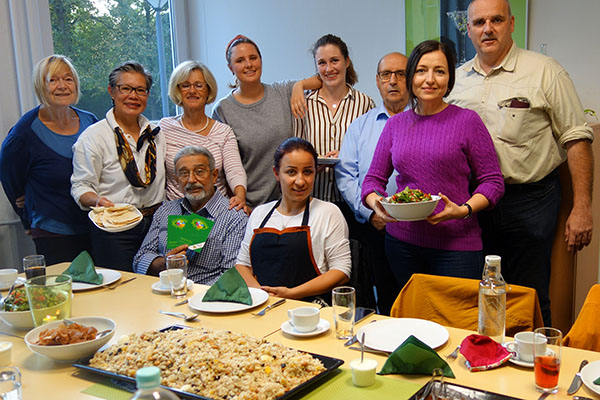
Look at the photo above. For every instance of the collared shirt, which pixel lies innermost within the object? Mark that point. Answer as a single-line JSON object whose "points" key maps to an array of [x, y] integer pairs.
{"points": [[97, 169], [356, 155], [221, 247], [326, 132], [529, 105]]}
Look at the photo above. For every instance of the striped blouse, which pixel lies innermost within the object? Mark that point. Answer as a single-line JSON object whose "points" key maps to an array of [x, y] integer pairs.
{"points": [[220, 141], [326, 132]]}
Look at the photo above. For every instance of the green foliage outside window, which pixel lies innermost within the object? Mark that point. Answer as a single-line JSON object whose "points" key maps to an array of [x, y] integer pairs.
{"points": [[97, 42]]}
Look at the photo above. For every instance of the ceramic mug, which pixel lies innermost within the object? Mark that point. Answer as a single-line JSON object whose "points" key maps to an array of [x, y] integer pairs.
{"points": [[8, 277], [304, 319], [523, 346], [164, 279]]}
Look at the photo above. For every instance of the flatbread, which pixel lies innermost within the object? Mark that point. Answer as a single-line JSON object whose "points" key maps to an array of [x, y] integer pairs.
{"points": [[116, 216]]}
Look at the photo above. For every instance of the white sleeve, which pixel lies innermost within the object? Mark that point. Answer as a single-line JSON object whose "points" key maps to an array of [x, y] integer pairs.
{"points": [[87, 168], [336, 245]]}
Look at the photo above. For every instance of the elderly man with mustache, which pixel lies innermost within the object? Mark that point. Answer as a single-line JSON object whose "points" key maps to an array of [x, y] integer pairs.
{"points": [[196, 176]]}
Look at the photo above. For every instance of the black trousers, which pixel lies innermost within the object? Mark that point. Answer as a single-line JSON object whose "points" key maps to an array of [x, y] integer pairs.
{"points": [[64, 248], [116, 250]]}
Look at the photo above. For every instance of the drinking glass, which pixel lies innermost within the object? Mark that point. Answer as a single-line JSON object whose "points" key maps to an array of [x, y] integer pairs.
{"points": [[547, 364], [10, 383], [49, 297], [177, 267], [344, 307], [34, 266]]}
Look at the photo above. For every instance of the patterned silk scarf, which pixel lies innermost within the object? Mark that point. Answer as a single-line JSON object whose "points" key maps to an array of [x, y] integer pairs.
{"points": [[128, 162]]}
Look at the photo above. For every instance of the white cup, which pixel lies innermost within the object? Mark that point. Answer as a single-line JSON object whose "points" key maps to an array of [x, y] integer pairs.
{"points": [[523, 346], [8, 277], [304, 319], [164, 279], [363, 373]]}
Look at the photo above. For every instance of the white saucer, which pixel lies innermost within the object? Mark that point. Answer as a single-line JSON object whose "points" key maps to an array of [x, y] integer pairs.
{"points": [[20, 281], [157, 287], [322, 326], [521, 363]]}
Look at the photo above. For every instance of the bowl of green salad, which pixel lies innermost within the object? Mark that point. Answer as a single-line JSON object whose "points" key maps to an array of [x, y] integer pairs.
{"points": [[410, 204], [15, 310]]}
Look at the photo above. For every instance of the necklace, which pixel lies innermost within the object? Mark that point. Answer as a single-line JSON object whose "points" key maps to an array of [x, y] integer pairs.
{"points": [[334, 105], [199, 130]]}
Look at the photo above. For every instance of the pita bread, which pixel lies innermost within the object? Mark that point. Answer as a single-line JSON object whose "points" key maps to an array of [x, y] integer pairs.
{"points": [[116, 216]]}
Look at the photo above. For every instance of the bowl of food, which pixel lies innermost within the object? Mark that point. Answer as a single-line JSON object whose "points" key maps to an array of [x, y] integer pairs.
{"points": [[15, 310], [66, 343], [410, 204]]}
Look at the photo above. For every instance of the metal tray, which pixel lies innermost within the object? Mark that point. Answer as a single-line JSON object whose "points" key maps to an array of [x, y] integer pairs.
{"points": [[454, 391], [330, 364]]}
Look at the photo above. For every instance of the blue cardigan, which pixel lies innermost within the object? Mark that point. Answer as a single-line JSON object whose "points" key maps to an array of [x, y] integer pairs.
{"points": [[28, 166]]}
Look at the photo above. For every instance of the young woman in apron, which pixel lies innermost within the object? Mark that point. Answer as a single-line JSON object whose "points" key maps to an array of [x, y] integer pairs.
{"points": [[296, 247]]}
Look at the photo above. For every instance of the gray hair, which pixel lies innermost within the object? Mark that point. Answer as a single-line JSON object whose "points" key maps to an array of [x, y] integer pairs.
{"points": [[195, 151], [47, 67], [129, 66], [182, 72]]}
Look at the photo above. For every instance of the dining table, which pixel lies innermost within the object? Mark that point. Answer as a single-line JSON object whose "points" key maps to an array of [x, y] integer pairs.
{"points": [[134, 306]]}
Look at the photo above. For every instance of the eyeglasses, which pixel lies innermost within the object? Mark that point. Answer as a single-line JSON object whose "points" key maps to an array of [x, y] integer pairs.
{"points": [[187, 86], [199, 173], [126, 89], [387, 75]]}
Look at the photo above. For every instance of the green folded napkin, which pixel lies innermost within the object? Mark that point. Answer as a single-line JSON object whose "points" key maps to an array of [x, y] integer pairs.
{"points": [[230, 287], [82, 270], [597, 381], [414, 357]]}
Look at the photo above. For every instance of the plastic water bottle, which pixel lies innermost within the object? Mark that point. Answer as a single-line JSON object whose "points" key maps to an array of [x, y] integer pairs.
{"points": [[492, 300], [148, 384]]}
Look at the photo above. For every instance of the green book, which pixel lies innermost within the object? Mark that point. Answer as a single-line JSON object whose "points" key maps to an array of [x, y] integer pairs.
{"points": [[189, 229]]}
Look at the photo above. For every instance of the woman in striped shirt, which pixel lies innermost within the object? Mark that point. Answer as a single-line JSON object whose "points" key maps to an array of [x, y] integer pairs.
{"points": [[192, 86], [331, 109]]}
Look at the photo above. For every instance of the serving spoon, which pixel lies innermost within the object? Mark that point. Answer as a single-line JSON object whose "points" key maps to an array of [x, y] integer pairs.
{"points": [[187, 318]]}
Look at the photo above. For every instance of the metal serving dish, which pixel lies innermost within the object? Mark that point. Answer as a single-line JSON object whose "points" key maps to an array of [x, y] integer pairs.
{"points": [[452, 391], [330, 364]]}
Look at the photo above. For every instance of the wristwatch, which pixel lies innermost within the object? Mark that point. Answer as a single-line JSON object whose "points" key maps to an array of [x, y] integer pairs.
{"points": [[468, 208]]}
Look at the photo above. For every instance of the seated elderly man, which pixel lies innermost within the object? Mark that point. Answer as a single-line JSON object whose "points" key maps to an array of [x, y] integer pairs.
{"points": [[196, 176]]}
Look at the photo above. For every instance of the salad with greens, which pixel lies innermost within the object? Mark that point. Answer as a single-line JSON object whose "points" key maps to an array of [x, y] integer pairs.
{"points": [[409, 195], [17, 301]]}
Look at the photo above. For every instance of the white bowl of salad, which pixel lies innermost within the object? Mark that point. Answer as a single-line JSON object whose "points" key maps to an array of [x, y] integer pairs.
{"points": [[15, 311], [410, 204]]}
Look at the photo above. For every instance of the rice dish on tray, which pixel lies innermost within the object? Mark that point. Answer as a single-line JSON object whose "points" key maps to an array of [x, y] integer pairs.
{"points": [[214, 364]]}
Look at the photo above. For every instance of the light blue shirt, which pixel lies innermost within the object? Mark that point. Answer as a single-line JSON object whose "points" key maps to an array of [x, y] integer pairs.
{"points": [[355, 159]]}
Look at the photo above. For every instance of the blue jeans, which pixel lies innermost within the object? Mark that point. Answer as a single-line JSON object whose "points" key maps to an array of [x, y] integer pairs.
{"points": [[521, 229], [407, 259]]}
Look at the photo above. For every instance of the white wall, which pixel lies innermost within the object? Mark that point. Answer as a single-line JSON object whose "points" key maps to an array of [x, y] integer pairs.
{"points": [[285, 31], [571, 31]]}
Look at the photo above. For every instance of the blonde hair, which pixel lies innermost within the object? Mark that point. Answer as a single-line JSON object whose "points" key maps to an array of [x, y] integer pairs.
{"points": [[47, 67], [182, 72]]}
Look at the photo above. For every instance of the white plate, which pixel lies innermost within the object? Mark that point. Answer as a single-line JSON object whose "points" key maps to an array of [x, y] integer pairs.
{"points": [[322, 326], [20, 281], [387, 335], [259, 297], [157, 287], [327, 161], [522, 363], [121, 228], [108, 276], [589, 374]]}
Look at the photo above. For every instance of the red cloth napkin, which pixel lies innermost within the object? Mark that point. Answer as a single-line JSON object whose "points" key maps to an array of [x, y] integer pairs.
{"points": [[483, 353]]}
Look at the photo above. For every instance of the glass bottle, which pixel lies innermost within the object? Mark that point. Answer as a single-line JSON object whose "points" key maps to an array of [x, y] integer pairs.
{"points": [[492, 300]]}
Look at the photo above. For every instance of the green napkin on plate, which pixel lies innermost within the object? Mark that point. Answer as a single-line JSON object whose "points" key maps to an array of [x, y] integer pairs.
{"points": [[82, 270], [597, 381], [414, 357], [230, 287]]}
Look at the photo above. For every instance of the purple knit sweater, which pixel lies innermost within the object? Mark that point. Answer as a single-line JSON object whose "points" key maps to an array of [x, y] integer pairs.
{"points": [[437, 153]]}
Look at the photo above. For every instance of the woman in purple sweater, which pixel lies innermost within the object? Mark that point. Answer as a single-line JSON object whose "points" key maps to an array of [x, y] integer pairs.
{"points": [[438, 148]]}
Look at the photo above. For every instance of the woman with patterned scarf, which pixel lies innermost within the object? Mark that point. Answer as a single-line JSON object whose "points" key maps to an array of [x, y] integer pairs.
{"points": [[121, 159]]}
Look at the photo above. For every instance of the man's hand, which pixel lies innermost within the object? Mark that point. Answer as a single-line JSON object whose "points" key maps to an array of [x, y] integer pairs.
{"points": [[160, 263], [578, 229], [20, 201]]}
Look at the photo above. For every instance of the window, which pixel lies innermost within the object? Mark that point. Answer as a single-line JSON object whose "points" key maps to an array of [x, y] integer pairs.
{"points": [[98, 35]]}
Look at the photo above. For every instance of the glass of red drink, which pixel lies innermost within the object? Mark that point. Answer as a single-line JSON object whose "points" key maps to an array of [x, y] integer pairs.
{"points": [[34, 266], [547, 365]]}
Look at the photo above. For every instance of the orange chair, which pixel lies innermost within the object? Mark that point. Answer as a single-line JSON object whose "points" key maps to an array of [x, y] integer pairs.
{"points": [[585, 332], [454, 302]]}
